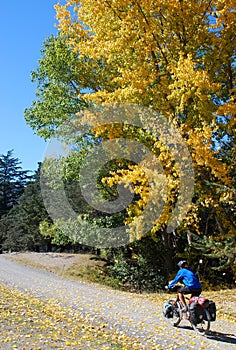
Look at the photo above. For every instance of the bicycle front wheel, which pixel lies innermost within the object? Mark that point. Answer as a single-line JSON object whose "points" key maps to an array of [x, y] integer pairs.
{"points": [[177, 313], [203, 327]]}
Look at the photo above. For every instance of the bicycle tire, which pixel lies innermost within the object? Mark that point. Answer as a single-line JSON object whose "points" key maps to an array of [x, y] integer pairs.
{"points": [[177, 315], [203, 327]]}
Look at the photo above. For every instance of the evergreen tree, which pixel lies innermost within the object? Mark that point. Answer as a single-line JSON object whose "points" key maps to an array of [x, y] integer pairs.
{"points": [[219, 254], [19, 228], [12, 181]]}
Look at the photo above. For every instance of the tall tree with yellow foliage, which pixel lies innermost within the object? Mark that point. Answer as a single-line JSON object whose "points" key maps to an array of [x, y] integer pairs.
{"points": [[176, 57]]}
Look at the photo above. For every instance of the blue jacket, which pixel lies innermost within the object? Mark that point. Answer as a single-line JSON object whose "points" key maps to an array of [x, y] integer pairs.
{"points": [[187, 277]]}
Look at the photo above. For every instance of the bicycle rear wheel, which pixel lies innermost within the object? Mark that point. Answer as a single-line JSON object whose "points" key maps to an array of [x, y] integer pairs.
{"points": [[177, 314], [203, 327]]}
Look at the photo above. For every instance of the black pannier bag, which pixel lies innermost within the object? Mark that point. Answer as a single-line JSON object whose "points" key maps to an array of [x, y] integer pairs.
{"points": [[212, 310], [196, 313], [168, 310]]}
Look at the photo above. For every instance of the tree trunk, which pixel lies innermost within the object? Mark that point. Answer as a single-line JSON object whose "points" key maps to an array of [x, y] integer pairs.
{"points": [[169, 253]]}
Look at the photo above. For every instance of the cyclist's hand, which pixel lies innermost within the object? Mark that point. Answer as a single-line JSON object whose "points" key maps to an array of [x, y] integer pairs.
{"points": [[166, 288]]}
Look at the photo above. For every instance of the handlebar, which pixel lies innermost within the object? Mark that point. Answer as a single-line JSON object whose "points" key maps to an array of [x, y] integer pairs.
{"points": [[174, 289]]}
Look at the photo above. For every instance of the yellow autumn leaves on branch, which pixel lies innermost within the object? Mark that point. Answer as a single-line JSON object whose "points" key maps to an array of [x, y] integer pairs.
{"points": [[173, 56]]}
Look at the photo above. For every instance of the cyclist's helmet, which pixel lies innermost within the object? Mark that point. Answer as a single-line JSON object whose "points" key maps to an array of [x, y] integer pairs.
{"points": [[182, 263]]}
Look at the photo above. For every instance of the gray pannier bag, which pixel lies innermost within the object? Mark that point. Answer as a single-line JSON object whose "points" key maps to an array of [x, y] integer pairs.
{"points": [[168, 310], [196, 313]]}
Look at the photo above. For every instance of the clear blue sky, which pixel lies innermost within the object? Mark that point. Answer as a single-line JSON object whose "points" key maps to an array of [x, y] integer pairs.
{"points": [[23, 27]]}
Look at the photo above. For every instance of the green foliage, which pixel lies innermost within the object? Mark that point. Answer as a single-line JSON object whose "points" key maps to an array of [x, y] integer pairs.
{"points": [[137, 275], [220, 254], [57, 79], [12, 181], [49, 230], [20, 226], [12, 234], [139, 266], [60, 177]]}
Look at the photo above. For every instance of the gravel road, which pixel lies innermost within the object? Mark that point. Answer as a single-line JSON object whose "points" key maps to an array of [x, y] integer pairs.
{"points": [[125, 312]]}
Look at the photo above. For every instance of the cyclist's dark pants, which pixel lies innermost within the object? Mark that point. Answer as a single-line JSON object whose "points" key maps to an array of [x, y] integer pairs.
{"points": [[194, 292]]}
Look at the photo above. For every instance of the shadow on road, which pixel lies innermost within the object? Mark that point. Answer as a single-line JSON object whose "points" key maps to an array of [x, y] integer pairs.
{"points": [[222, 337], [217, 336]]}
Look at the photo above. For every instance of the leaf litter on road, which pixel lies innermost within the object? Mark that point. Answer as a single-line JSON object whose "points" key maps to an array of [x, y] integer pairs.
{"points": [[98, 306], [30, 323]]}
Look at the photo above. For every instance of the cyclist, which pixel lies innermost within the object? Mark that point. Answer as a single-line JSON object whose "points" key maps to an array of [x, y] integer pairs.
{"points": [[189, 279]]}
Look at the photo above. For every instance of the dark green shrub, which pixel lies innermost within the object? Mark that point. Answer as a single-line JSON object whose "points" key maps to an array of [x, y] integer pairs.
{"points": [[137, 274]]}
